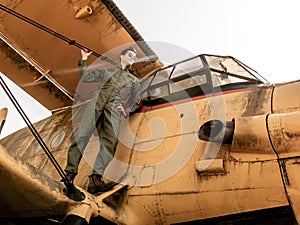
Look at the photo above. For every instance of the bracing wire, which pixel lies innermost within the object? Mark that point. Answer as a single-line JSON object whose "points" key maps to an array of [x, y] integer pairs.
{"points": [[33, 130], [72, 192], [17, 105]]}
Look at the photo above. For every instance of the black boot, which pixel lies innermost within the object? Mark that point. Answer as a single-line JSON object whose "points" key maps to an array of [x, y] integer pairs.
{"points": [[70, 175], [97, 185]]}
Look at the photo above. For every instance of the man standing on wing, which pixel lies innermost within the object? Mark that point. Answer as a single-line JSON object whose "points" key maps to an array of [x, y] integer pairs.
{"points": [[116, 97]]}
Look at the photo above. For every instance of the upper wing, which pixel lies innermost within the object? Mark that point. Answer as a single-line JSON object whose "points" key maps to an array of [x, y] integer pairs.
{"points": [[40, 52]]}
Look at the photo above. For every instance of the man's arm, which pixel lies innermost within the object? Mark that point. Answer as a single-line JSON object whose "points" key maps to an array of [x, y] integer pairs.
{"points": [[88, 76]]}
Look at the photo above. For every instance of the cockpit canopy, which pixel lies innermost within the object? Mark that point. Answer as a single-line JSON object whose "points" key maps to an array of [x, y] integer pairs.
{"points": [[197, 76]]}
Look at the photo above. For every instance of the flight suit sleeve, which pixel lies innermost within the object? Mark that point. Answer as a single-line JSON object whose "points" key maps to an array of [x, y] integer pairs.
{"points": [[89, 76]]}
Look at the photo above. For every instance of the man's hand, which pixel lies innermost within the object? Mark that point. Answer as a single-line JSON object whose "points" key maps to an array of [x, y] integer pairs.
{"points": [[121, 109], [85, 54]]}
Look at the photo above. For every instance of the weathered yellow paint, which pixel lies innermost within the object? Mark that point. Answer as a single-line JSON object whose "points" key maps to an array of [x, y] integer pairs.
{"points": [[249, 169], [171, 175], [211, 166], [285, 134], [3, 115], [251, 139], [26, 192], [290, 170], [113, 33], [285, 137], [244, 176], [286, 97]]}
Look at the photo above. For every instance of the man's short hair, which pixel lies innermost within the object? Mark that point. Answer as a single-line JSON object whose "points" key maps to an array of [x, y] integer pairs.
{"points": [[123, 52]]}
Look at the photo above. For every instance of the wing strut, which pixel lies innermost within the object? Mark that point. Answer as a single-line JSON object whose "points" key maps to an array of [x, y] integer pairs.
{"points": [[72, 191], [37, 66]]}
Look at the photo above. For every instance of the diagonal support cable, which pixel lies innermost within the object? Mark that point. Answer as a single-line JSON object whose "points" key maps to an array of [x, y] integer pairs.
{"points": [[72, 192]]}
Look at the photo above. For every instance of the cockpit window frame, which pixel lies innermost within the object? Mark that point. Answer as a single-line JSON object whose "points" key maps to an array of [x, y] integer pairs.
{"points": [[166, 83], [159, 80]]}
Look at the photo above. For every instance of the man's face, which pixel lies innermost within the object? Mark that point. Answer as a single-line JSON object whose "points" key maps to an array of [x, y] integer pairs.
{"points": [[129, 58]]}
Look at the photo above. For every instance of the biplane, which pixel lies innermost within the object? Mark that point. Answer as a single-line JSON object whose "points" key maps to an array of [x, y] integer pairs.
{"points": [[212, 142]]}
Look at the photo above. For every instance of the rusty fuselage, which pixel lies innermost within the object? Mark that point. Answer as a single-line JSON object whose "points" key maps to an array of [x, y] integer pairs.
{"points": [[172, 176]]}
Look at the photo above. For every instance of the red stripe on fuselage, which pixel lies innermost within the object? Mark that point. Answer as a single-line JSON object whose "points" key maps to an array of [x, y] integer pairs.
{"points": [[164, 105]]}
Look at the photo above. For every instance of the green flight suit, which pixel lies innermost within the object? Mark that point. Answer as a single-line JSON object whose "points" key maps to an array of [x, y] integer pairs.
{"points": [[117, 86]]}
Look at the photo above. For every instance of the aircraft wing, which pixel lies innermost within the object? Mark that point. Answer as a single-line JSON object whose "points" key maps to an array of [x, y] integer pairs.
{"points": [[24, 186], [40, 43]]}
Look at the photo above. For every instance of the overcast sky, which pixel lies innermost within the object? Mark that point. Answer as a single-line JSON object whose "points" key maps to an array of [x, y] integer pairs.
{"points": [[34, 110], [263, 34]]}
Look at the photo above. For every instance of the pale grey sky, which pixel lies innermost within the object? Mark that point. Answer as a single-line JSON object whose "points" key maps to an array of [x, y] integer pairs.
{"points": [[263, 34], [34, 110]]}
